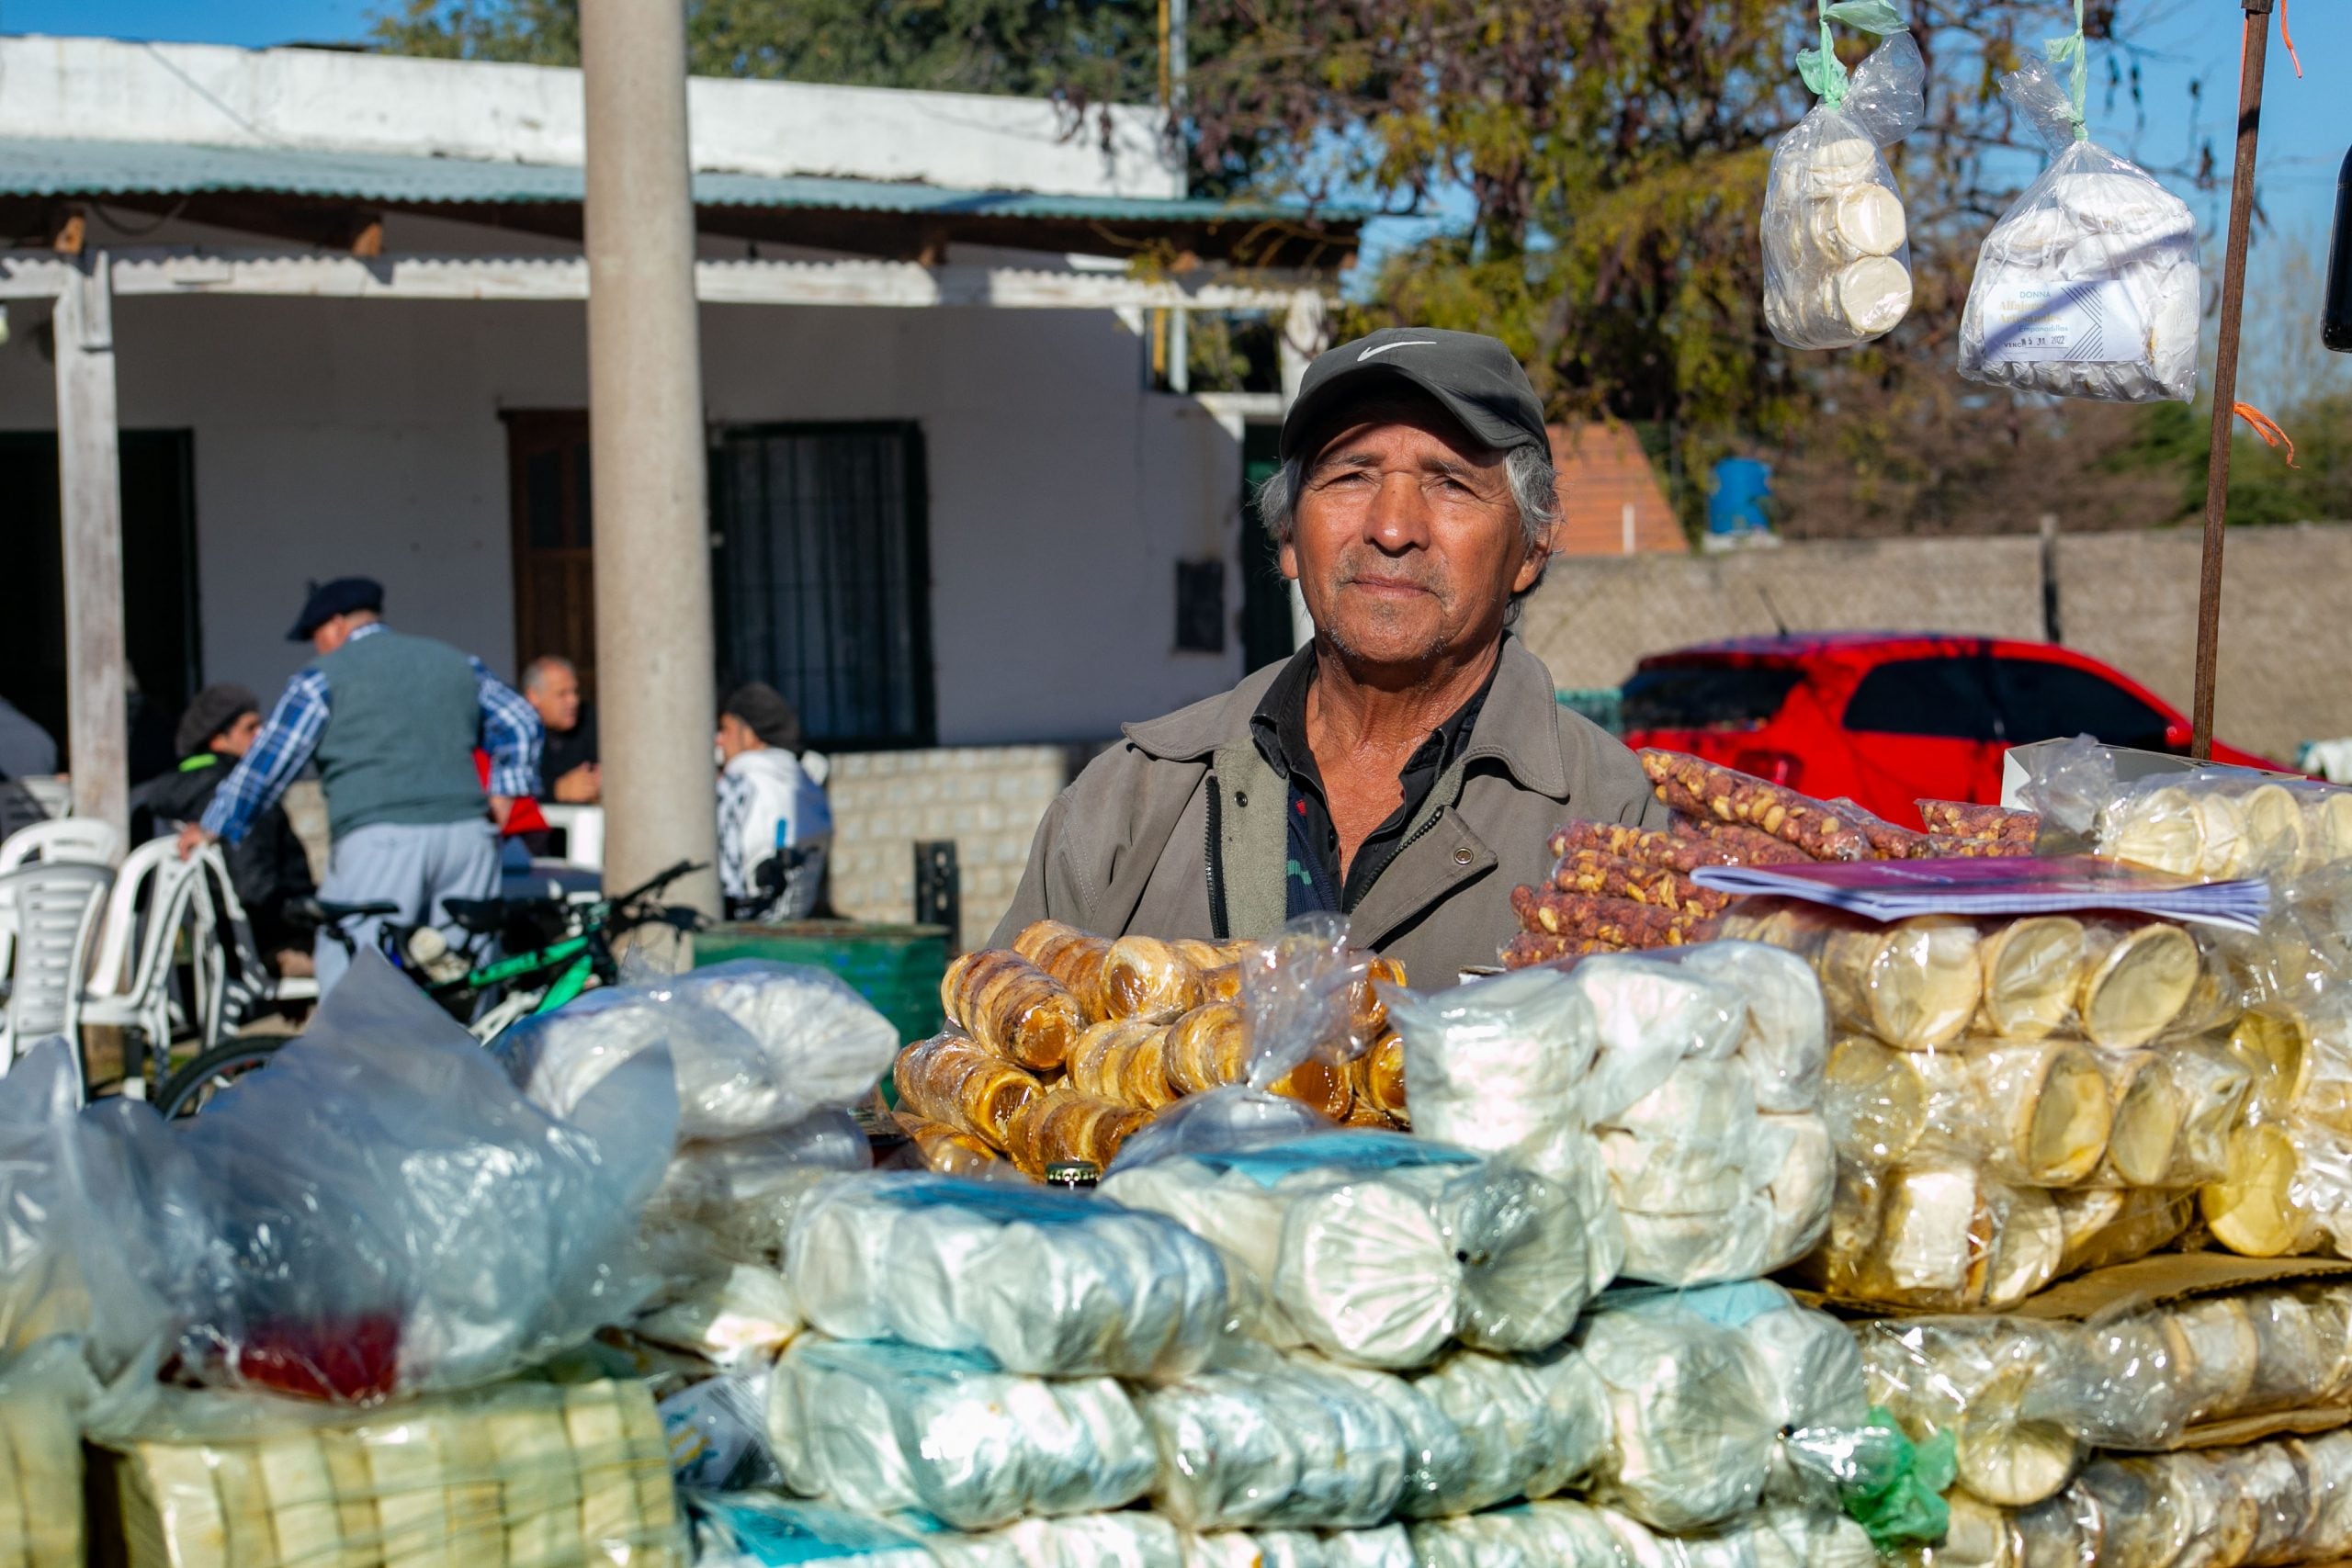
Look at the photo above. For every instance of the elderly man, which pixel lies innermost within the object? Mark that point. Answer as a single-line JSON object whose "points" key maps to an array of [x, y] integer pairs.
{"points": [[1406, 766], [568, 771], [393, 721]]}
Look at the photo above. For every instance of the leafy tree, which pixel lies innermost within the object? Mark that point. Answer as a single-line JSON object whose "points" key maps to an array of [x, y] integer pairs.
{"points": [[1108, 49]]}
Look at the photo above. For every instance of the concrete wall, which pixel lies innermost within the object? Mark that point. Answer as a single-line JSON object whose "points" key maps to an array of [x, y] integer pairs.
{"points": [[989, 800], [336, 436], [2128, 598], [335, 99]]}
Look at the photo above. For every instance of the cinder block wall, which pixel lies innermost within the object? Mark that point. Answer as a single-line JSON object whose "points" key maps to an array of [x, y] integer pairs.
{"points": [[2128, 598], [989, 799]]}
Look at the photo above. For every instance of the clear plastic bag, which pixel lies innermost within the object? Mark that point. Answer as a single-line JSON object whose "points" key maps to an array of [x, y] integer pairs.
{"points": [[2088, 286], [1541, 1535], [1129, 1539], [1997, 1385], [1375, 1249], [382, 1212], [755, 1046], [733, 1201], [1276, 1443], [1046, 1284], [1938, 1233], [881, 1427], [1836, 250], [757, 1529], [42, 1288], [516, 1472], [1693, 1437], [42, 1395]]}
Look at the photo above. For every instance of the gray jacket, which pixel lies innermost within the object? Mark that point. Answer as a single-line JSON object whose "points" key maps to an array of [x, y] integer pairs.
{"points": [[1180, 831]]}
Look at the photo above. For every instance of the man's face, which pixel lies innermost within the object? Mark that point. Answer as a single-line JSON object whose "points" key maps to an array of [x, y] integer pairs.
{"points": [[1407, 545], [557, 697], [238, 738], [331, 633], [735, 738]]}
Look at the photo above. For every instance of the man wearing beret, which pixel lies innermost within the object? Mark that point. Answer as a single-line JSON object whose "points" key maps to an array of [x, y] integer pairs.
{"points": [[393, 721], [1406, 766], [267, 865]]}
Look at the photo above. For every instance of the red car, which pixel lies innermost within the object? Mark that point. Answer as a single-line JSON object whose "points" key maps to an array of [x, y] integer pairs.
{"points": [[1888, 718]]}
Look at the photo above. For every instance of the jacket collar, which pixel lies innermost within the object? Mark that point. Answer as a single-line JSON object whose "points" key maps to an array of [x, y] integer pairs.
{"points": [[1519, 727]]}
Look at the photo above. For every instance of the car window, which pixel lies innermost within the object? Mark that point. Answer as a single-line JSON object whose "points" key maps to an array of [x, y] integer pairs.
{"points": [[1706, 696], [1947, 697], [2046, 700]]}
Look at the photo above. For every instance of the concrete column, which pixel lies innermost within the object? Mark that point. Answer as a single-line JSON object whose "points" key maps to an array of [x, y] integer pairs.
{"points": [[89, 489], [656, 710]]}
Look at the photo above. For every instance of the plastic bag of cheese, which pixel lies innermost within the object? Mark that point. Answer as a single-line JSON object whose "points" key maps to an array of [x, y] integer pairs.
{"points": [[1046, 1284], [735, 1199], [1274, 1442], [1129, 1540], [1836, 250], [882, 1426], [1384, 1546], [1691, 1403], [755, 1046], [2088, 286], [514, 1473], [758, 1529], [1377, 1248]]}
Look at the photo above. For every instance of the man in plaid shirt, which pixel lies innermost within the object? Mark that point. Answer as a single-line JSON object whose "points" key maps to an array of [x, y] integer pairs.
{"points": [[392, 721]]}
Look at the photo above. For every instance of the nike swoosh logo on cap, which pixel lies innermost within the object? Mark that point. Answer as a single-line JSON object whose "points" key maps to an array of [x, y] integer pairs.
{"points": [[1404, 342]]}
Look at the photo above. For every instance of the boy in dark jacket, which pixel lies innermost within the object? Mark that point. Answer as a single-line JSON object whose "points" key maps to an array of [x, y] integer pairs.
{"points": [[267, 865]]}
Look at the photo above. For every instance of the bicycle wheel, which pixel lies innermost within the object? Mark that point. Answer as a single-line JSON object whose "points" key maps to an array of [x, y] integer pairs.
{"points": [[188, 1091]]}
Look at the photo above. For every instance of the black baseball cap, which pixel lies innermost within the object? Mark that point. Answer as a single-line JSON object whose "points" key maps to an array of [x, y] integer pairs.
{"points": [[1472, 375], [341, 597]]}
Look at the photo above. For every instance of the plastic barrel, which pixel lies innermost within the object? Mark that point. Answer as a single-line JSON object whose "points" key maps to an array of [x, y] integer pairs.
{"points": [[898, 968]]}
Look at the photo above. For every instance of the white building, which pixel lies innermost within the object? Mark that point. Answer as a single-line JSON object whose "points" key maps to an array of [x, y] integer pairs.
{"points": [[336, 299]]}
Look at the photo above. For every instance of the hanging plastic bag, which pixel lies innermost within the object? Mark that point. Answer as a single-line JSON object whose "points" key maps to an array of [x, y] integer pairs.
{"points": [[381, 1211], [1836, 245], [2088, 286]]}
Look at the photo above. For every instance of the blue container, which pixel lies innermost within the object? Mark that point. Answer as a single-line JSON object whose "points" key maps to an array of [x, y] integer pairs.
{"points": [[1742, 486]]}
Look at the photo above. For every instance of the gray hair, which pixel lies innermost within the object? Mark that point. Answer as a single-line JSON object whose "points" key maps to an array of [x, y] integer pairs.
{"points": [[535, 672], [1534, 490]]}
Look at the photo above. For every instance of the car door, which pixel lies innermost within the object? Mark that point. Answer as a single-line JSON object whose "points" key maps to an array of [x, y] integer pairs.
{"points": [[1925, 727]]}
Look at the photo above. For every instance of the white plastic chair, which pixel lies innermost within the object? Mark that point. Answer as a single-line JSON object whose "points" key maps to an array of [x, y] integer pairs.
{"points": [[129, 984], [55, 906], [53, 791], [234, 976], [583, 831], [83, 838]]}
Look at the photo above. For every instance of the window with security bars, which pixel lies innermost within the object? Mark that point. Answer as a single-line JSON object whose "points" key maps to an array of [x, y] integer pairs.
{"points": [[822, 585]]}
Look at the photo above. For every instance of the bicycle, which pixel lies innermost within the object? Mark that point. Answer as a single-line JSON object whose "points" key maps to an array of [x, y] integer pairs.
{"points": [[559, 950]]}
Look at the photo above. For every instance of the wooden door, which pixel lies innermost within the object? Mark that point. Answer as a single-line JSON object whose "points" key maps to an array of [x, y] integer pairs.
{"points": [[554, 583]]}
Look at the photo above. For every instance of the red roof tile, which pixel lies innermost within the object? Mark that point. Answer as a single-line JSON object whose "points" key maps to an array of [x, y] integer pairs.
{"points": [[1603, 471]]}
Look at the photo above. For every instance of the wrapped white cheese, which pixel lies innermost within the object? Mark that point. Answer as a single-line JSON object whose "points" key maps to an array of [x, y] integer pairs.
{"points": [[2088, 286], [1786, 1037], [1837, 252], [757, 1529], [1043, 1283], [1275, 1443], [1384, 1547], [1129, 1539], [754, 1046], [1378, 1249], [883, 1427], [1691, 1431], [1541, 1535]]}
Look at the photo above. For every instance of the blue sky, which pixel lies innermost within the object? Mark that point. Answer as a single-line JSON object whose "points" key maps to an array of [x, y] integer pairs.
{"points": [[2304, 134]]}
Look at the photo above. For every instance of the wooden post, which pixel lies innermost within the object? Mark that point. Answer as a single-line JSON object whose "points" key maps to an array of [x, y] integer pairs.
{"points": [[2225, 374], [655, 666], [89, 489]]}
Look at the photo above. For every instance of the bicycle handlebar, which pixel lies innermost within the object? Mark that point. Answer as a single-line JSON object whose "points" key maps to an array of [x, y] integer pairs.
{"points": [[660, 880]]}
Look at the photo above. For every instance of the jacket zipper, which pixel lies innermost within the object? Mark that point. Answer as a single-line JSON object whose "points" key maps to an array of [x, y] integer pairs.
{"points": [[1216, 860]]}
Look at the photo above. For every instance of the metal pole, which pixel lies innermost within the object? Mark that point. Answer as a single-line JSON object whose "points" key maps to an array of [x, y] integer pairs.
{"points": [[2225, 372], [89, 479], [654, 667]]}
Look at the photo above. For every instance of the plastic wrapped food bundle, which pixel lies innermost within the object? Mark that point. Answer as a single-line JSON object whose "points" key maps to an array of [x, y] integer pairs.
{"points": [[1938, 1234], [755, 1046], [1378, 1249], [1273, 1443], [948, 1151], [1691, 1430], [42, 1292], [735, 1315], [2256, 1506], [1070, 956], [949, 1081], [1065, 1126], [734, 1198], [516, 1472], [1385, 1546], [1836, 256], [1128, 1539], [2213, 824], [1541, 1535], [43, 1394], [1012, 1008], [1531, 1428], [1046, 1284], [2088, 286], [1996, 1384], [882, 1426]]}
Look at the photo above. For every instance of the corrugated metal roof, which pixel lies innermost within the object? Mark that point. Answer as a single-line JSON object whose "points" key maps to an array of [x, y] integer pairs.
{"points": [[88, 168]]}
